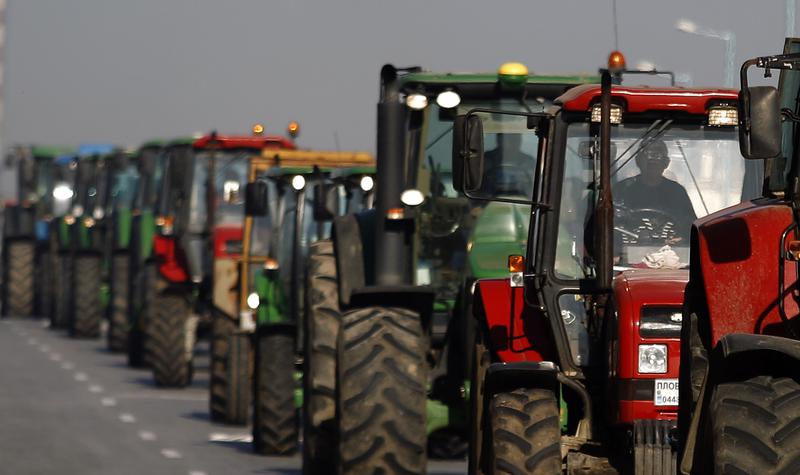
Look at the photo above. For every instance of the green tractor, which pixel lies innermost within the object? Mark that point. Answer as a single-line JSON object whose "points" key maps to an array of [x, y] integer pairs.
{"points": [[293, 204], [397, 387], [142, 268], [82, 241], [199, 232], [26, 261]]}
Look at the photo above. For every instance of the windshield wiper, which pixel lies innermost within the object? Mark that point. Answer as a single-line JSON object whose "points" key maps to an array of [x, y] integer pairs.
{"points": [[694, 180], [644, 141]]}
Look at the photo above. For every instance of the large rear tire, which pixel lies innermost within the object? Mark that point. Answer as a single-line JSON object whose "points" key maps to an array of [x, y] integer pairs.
{"points": [[143, 293], [229, 401], [44, 284], [118, 327], [755, 426], [381, 397], [274, 413], [62, 291], [480, 363], [322, 322], [19, 278], [526, 437], [170, 341], [87, 313]]}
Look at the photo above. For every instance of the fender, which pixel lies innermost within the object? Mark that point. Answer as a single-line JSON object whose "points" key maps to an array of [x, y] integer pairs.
{"points": [[286, 328], [352, 243], [418, 298], [737, 356], [523, 374], [516, 332], [169, 265]]}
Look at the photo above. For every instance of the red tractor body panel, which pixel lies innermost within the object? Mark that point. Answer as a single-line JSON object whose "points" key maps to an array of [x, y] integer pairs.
{"points": [[643, 99], [170, 263], [738, 257], [517, 332], [243, 141], [635, 290], [222, 236]]}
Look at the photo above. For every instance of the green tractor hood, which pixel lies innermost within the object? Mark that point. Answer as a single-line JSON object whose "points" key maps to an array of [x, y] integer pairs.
{"points": [[500, 230]]}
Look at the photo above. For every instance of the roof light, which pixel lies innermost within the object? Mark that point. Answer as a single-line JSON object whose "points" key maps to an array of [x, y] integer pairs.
{"points": [[412, 197], [723, 115], [258, 129], [293, 129], [448, 99], [367, 183], [298, 182], [616, 62], [513, 73], [416, 101], [616, 113]]}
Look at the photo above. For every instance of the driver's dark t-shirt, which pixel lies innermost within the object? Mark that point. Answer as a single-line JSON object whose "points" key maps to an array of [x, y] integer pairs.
{"points": [[666, 196]]}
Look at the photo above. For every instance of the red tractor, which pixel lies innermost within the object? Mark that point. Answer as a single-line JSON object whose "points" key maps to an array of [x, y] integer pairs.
{"points": [[576, 359], [740, 377]]}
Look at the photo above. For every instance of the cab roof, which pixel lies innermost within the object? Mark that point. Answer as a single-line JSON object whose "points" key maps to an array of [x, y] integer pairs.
{"points": [[49, 151], [491, 78], [243, 141], [295, 161], [93, 149], [643, 99]]}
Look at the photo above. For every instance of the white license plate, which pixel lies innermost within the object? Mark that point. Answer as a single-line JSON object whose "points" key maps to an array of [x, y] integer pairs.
{"points": [[666, 392]]}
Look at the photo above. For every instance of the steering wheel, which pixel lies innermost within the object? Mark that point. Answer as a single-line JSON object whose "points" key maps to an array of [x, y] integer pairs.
{"points": [[646, 226]]}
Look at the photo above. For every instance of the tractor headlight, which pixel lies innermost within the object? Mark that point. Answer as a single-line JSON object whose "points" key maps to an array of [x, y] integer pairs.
{"points": [[412, 197], [62, 192], [616, 113], [367, 183], [723, 116], [253, 300], [652, 358], [448, 99], [416, 102], [298, 182]]}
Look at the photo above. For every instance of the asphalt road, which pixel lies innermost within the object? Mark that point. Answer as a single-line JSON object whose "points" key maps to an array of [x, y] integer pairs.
{"points": [[71, 407]]}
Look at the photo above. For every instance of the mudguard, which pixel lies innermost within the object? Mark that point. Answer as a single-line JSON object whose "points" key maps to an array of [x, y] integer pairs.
{"points": [[515, 331], [524, 374], [352, 241]]}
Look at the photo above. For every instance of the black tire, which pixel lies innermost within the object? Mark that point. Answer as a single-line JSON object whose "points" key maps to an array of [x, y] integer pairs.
{"points": [[322, 321], [19, 278], [381, 397], [525, 431], [87, 312], [274, 413], [229, 387], [44, 284], [481, 360], [62, 291], [118, 327], [754, 426], [170, 341], [143, 292]]}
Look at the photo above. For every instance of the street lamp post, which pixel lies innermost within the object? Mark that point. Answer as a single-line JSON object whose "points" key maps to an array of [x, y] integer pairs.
{"points": [[688, 26]]}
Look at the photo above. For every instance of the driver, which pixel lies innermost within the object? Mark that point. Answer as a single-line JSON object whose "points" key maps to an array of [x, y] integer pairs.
{"points": [[508, 166], [650, 189]]}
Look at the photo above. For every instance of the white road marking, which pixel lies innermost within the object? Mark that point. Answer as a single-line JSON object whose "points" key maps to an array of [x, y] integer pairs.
{"points": [[223, 437], [45, 323], [171, 454], [127, 418], [95, 388], [55, 357], [32, 341], [67, 365], [197, 472], [147, 435], [164, 397], [79, 376], [108, 401], [44, 349]]}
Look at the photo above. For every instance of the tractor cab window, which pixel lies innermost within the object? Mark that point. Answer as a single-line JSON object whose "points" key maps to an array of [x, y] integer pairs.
{"points": [[151, 172], [123, 186], [63, 188], [230, 176], [86, 189], [664, 175]]}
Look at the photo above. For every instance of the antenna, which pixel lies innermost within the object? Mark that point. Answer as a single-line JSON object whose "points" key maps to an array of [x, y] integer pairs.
{"points": [[616, 29]]}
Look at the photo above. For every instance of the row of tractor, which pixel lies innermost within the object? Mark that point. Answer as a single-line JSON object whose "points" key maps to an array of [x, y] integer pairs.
{"points": [[542, 274]]}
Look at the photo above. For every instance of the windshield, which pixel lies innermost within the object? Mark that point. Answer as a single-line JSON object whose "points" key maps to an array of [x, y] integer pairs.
{"points": [[664, 176], [151, 172], [123, 186], [448, 222], [86, 189], [229, 180]]}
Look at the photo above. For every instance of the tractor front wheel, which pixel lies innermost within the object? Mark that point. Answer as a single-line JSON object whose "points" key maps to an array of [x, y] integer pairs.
{"points": [[19, 278], [87, 312], [229, 401], [754, 426], [170, 341], [381, 401], [62, 291], [118, 327], [525, 431], [274, 414]]}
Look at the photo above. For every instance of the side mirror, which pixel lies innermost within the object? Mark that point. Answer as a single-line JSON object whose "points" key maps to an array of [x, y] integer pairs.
{"points": [[467, 153], [760, 122], [256, 199], [326, 202]]}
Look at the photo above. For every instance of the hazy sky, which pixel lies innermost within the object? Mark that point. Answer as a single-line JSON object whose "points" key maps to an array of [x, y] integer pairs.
{"points": [[126, 71]]}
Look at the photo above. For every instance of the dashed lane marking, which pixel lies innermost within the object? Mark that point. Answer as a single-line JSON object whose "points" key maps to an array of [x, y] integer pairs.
{"points": [[55, 357], [81, 377], [197, 472], [164, 397], [171, 454], [127, 418], [223, 437], [147, 435], [108, 402], [95, 388], [44, 349], [33, 341], [67, 366]]}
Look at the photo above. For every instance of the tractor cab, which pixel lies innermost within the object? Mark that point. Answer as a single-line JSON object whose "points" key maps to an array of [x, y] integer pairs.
{"points": [[590, 316]]}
